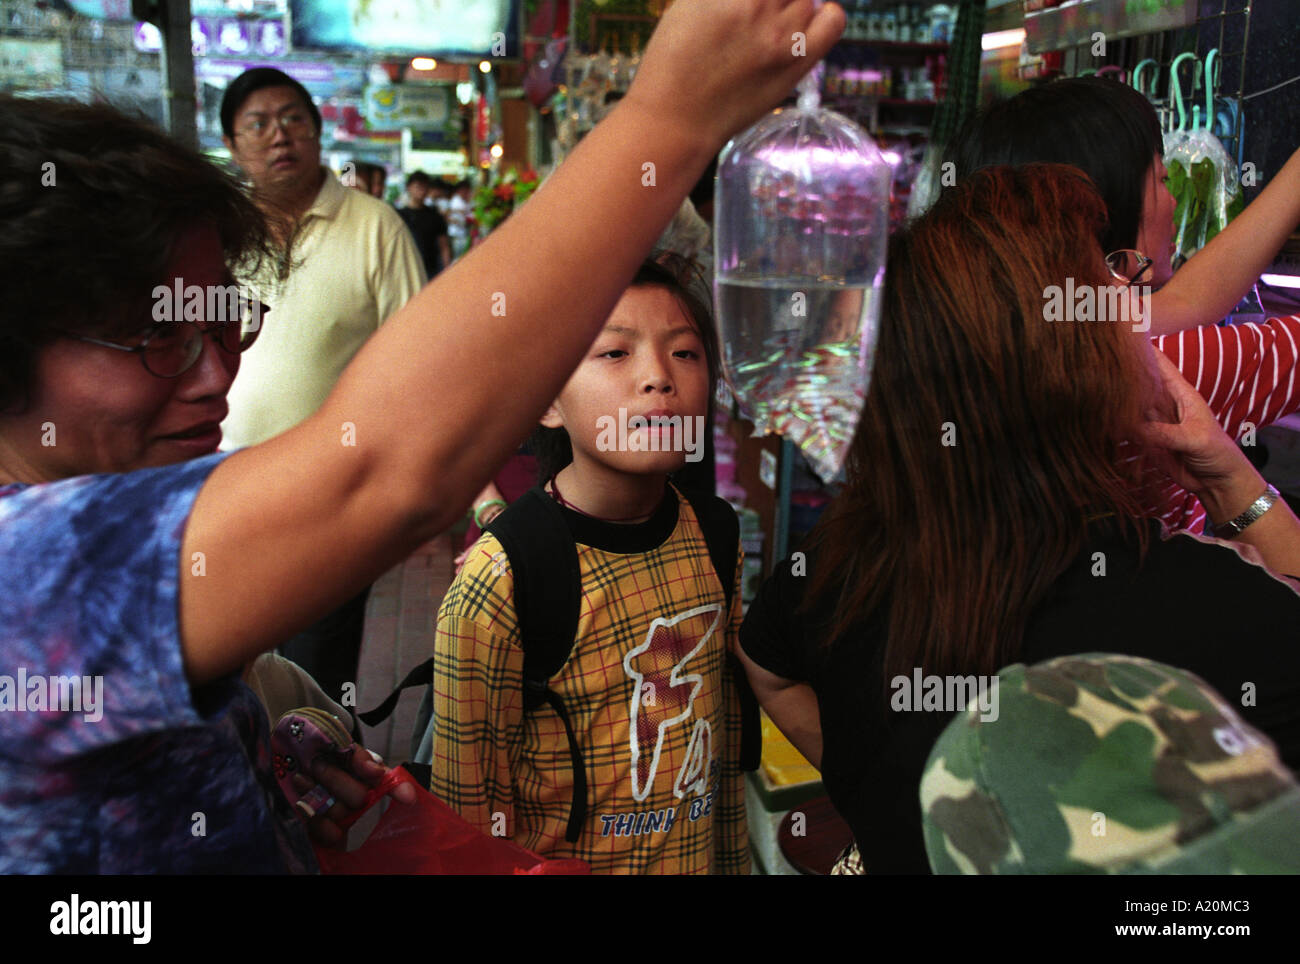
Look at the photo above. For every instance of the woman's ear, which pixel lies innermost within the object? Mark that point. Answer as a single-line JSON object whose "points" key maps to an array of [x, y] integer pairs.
{"points": [[552, 418]]}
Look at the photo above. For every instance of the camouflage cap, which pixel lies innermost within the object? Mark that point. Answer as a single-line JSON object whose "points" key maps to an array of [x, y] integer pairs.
{"points": [[1108, 764]]}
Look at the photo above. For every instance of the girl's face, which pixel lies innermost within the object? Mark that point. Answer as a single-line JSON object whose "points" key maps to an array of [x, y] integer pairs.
{"points": [[647, 362], [1156, 230]]}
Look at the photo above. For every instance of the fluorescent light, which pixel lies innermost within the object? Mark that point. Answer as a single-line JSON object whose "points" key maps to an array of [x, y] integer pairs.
{"points": [[423, 63], [1280, 280], [1003, 38]]}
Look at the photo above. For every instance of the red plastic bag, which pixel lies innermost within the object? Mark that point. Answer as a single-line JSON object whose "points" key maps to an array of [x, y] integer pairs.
{"points": [[429, 837]]}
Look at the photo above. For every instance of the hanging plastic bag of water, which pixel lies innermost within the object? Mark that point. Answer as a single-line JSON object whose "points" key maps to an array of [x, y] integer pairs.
{"points": [[801, 218]]}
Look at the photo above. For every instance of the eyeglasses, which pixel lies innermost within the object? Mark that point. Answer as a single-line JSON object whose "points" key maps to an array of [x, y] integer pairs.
{"points": [[1127, 266], [172, 348], [297, 124]]}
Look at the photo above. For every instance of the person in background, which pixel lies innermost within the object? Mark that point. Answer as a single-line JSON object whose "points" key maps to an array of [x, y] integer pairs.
{"points": [[132, 551], [440, 197], [1111, 132], [994, 512], [461, 209], [358, 178], [347, 263], [1247, 373], [378, 181], [427, 226]]}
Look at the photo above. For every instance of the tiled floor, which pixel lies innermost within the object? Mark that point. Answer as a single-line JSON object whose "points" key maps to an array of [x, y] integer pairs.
{"points": [[400, 619]]}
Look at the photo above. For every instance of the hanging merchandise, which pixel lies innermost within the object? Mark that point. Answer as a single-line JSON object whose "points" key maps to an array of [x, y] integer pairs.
{"points": [[1202, 177], [801, 215], [1163, 113], [591, 83]]}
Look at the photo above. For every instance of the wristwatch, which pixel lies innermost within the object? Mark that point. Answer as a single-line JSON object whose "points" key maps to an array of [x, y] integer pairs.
{"points": [[1234, 527]]}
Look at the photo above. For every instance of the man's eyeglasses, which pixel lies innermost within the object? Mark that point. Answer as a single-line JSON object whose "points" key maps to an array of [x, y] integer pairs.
{"points": [[296, 123], [172, 348], [1128, 266]]}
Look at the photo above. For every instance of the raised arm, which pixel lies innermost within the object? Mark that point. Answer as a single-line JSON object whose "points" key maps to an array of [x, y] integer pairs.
{"points": [[442, 394], [1218, 276]]}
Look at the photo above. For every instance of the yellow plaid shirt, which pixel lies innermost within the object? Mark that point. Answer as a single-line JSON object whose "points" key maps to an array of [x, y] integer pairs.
{"points": [[649, 694]]}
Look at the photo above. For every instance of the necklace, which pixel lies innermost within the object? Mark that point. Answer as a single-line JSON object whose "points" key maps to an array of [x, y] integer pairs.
{"points": [[555, 494]]}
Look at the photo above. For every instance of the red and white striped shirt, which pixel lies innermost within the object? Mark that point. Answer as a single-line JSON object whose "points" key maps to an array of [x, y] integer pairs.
{"points": [[1247, 374]]}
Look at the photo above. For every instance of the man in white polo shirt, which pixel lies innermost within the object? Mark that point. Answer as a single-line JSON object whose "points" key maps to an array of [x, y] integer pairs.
{"points": [[351, 263]]}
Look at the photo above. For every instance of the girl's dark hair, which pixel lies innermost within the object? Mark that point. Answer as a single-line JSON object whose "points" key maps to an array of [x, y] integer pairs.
{"points": [[952, 544], [93, 202], [680, 277], [1106, 129]]}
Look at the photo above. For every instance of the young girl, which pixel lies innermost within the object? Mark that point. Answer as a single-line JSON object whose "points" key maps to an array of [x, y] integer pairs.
{"points": [[631, 763]]}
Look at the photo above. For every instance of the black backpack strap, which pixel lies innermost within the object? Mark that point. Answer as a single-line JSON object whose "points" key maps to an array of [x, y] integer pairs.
{"points": [[578, 808], [721, 534], [422, 675], [721, 529], [547, 596]]}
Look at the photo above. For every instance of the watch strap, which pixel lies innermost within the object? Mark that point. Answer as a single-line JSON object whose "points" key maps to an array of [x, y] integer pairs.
{"points": [[1234, 527]]}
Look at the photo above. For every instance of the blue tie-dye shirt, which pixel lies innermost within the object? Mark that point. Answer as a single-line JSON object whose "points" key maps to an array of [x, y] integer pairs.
{"points": [[157, 777]]}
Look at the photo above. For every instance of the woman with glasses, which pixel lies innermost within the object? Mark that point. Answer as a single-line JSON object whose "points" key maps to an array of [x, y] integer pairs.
{"points": [[1112, 133], [994, 513], [134, 554], [1247, 373]]}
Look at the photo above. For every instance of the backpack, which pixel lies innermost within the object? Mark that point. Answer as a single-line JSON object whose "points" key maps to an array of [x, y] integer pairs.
{"points": [[544, 564]]}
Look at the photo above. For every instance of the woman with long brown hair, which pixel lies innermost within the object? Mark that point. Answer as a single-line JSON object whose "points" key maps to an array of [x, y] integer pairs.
{"points": [[1246, 372], [994, 511]]}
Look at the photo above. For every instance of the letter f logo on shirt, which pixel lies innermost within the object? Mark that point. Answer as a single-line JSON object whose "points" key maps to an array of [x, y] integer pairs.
{"points": [[663, 693]]}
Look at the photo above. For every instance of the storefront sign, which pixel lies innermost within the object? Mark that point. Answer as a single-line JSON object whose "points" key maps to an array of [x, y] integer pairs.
{"points": [[321, 80], [438, 140], [102, 9], [30, 63], [223, 37], [408, 105], [1057, 27]]}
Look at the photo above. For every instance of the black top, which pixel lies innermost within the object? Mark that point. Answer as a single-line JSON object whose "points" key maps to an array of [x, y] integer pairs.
{"points": [[426, 225], [1191, 605]]}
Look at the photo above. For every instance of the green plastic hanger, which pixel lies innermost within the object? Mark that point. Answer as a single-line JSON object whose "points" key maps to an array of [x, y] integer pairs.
{"points": [[1212, 69], [1137, 77], [1176, 89]]}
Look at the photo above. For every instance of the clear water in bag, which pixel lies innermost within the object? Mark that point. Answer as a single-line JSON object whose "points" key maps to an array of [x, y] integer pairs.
{"points": [[801, 216]]}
